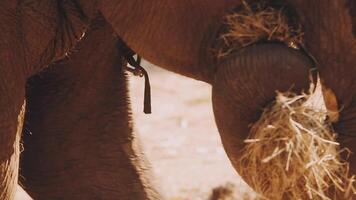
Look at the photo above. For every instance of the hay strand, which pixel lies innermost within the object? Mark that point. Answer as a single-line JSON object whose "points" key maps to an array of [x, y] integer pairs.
{"points": [[252, 23], [292, 152]]}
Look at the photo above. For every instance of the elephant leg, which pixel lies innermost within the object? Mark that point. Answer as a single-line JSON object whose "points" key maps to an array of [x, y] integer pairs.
{"points": [[346, 129], [330, 38], [12, 108], [81, 143], [350, 141]]}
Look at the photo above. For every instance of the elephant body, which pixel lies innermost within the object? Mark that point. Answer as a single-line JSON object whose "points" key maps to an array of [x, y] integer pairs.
{"points": [[59, 37], [59, 62]]}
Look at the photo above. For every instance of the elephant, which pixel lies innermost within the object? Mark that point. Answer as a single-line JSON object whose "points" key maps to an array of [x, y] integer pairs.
{"points": [[62, 81]]}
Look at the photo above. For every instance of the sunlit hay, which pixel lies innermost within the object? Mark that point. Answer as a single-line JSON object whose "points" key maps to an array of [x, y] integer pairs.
{"points": [[257, 22], [292, 153]]}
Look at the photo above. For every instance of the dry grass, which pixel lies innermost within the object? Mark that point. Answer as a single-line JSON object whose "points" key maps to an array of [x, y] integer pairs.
{"points": [[292, 153], [254, 23]]}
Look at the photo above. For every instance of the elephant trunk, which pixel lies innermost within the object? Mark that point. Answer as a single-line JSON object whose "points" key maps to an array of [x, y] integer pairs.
{"points": [[247, 81]]}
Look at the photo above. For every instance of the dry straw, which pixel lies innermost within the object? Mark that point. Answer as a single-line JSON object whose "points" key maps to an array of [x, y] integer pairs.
{"points": [[292, 152], [254, 23]]}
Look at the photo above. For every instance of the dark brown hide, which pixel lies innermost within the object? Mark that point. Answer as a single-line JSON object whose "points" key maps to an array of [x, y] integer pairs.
{"points": [[10, 127], [247, 81], [80, 144], [352, 10], [171, 34], [12, 95], [49, 29], [330, 39]]}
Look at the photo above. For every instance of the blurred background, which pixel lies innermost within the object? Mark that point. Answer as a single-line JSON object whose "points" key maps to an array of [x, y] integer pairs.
{"points": [[181, 141]]}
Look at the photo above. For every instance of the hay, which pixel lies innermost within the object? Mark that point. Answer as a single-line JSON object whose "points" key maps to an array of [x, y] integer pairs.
{"points": [[257, 22], [292, 153]]}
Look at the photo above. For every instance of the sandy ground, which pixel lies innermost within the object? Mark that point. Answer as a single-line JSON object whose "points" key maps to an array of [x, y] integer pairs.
{"points": [[180, 138]]}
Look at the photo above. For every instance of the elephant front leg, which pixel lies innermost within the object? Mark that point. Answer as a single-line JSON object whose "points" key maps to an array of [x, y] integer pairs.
{"points": [[81, 144], [12, 108]]}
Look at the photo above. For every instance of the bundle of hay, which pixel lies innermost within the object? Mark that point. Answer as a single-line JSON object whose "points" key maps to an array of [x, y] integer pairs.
{"points": [[292, 152], [256, 22]]}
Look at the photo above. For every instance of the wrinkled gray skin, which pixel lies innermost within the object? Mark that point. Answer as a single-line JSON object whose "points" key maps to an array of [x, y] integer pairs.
{"points": [[81, 144]]}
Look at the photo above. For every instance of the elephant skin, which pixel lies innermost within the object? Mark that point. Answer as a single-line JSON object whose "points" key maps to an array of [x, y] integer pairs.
{"points": [[331, 39], [247, 83], [82, 144], [86, 108]]}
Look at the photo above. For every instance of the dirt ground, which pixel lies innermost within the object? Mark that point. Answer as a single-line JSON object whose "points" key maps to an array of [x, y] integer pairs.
{"points": [[180, 138]]}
